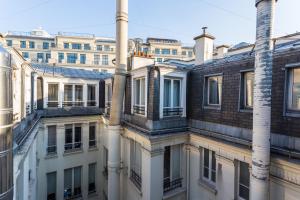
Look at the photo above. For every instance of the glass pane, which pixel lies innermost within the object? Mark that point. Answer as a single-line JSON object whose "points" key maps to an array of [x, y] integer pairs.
{"points": [[206, 172], [78, 92], [68, 92], [68, 134], [213, 166], [143, 91], [176, 93], [51, 184], [68, 182], [51, 135], [244, 192], [78, 133], [92, 171], [167, 162], [206, 158], [244, 174], [213, 89], [91, 93], [137, 92], [132, 160], [138, 158], [175, 162], [167, 93], [296, 89], [77, 180], [53, 92], [249, 89], [92, 131]]}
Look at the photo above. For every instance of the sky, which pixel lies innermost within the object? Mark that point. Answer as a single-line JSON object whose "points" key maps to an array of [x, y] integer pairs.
{"points": [[230, 21]]}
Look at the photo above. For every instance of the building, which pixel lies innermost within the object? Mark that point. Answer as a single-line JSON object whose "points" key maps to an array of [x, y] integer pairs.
{"points": [[86, 51]]}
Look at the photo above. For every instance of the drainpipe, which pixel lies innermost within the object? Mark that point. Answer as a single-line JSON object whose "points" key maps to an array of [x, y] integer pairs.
{"points": [[6, 123], [114, 128], [259, 183]]}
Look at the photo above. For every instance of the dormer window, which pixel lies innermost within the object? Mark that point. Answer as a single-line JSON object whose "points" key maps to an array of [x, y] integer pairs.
{"points": [[172, 97], [139, 96], [213, 91]]}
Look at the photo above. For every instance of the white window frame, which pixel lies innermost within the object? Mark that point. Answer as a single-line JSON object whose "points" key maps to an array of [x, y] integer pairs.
{"points": [[290, 89], [238, 182], [209, 179], [208, 91], [73, 94], [172, 79], [73, 177], [140, 97], [52, 83], [245, 90]]}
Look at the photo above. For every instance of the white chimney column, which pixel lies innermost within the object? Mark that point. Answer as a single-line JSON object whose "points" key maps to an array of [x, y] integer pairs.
{"points": [[204, 47], [114, 128], [259, 182], [222, 50]]}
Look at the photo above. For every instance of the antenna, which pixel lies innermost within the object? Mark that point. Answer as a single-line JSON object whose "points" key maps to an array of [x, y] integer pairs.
{"points": [[204, 29]]}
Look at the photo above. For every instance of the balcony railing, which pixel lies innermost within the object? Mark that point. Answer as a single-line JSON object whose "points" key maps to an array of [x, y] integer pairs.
{"points": [[69, 195], [52, 104], [172, 112], [171, 185], [139, 110], [73, 146], [92, 143], [51, 149], [92, 188], [91, 103], [73, 103], [136, 179]]}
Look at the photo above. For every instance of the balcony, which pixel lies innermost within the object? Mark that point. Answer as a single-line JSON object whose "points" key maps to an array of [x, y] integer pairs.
{"points": [[91, 103], [51, 150], [139, 110], [72, 104], [171, 185], [172, 112], [76, 146], [52, 104], [136, 179]]}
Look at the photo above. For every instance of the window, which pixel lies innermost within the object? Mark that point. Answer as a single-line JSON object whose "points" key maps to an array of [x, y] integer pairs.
{"points": [[40, 57], [9, 43], [172, 97], [190, 54], [22, 44], [68, 95], [78, 95], [104, 59], [108, 95], [159, 60], [294, 89], [136, 163], [87, 47], [76, 46], [99, 48], [48, 56], [51, 186], [25, 55], [71, 58], [104, 70], [45, 45], [172, 177], [66, 45], [31, 44], [73, 137], [91, 98], [52, 44], [61, 57], [82, 58], [105, 158], [51, 149], [244, 180], [52, 95], [174, 51], [72, 183], [139, 96], [96, 59], [92, 135], [146, 50], [213, 91], [183, 53], [157, 51], [209, 166], [92, 178], [247, 89], [165, 51], [106, 48]]}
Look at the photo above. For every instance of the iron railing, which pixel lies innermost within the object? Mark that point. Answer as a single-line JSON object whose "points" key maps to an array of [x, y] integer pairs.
{"points": [[139, 110], [52, 104], [172, 112], [136, 179], [51, 149], [171, 185], [73, 146]]}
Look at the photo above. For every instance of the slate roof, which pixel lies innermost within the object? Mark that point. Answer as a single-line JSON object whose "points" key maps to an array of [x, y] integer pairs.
{"points": [[69, 72]]}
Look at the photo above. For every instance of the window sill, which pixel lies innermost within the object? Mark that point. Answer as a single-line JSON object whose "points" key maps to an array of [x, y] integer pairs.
{"points": [[95, 148], [71, 152], [173, 193], [207, 186], [209, 107], [51, 156], [292, 114]]}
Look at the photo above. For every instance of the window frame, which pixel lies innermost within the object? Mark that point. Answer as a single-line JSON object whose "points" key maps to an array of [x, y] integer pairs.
{"points": [[206, 104], [135, 174], [242, 107], [73, 135], [73, 182], [48, 175], [135, 79], [93, 124], [172, 79], [57, 94], [31, 45], [289, 90], [238, 180], [210, 170], [95, 177]]}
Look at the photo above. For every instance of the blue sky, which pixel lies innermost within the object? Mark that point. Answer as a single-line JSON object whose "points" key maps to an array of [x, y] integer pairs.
{"points": [[230, 21]]}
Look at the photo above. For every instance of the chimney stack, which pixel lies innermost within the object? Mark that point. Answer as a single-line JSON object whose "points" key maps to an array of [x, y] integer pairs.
{"points": [[204, 47], [222, 50]]}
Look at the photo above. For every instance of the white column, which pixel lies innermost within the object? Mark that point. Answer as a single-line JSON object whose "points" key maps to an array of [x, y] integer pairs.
{"points": [[84, 93], [60, 94], [259, 184]]}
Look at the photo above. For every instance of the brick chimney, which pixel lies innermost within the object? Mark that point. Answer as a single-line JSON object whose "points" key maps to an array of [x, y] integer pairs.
{"points": [[204, 47]]}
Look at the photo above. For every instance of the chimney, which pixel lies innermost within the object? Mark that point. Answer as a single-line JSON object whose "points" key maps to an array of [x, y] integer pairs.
{"points": [[204, 47], [221, 51]]}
